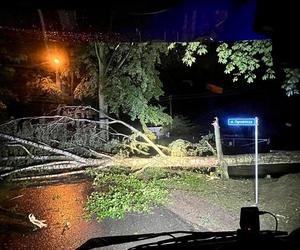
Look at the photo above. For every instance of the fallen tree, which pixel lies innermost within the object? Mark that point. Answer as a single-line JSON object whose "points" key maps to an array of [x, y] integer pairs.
{"points": [[59, 146], [60, 143], [70, 161]]}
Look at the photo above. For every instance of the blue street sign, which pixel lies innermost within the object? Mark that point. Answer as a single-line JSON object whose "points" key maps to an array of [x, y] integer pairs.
{"points": [[241, 122], [254, 123]]}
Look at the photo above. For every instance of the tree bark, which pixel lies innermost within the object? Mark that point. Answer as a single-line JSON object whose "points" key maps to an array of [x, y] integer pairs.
{"points": [[219, 147], [135, 163], [286, 157], [36, 158], [218, 138], [53, 165], [49, 176], [166, 162], [99, 47]]}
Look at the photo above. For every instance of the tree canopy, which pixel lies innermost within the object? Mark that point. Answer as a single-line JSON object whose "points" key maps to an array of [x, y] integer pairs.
{"points": [[245, 61], [131, 82]]}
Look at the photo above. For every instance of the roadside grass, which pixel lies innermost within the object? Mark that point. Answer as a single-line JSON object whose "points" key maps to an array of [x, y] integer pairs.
{"points": [[118, 193]]}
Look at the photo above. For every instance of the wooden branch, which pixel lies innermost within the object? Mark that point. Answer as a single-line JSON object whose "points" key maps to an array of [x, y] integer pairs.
{"points": [[3, 169], [51, 176], [111, 58], [211, 147], [91, 151], [133, 129], [97, 154], [44, 147], [139, 133], [36, 158], [124, 58], [51, 118], [119, 134], [139, 142], [53, 165], [112, 121], [97, 52], [137, 149], [160, 146], [21, 146]]}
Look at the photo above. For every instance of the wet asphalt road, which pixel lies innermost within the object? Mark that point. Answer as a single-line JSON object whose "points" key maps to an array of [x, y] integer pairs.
{"points": [[62, 208]]}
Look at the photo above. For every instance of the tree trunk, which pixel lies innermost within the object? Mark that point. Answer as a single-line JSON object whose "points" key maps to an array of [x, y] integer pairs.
{"points": [[218, 139], [72, 87], [219, 147], [99, 47], [61, 160], [60, 165], [166, 162], [284, 157]]}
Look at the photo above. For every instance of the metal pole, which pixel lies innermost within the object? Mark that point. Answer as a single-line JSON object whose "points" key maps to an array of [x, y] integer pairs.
{"points": [[256, 161]]}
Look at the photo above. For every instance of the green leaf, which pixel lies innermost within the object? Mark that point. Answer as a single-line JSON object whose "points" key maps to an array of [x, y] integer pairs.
{"points": [[123, 194]]}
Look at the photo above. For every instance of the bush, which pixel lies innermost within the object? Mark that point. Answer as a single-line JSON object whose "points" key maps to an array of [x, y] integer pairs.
{"points": [[183, 148], [179, 148], [121, 194]]}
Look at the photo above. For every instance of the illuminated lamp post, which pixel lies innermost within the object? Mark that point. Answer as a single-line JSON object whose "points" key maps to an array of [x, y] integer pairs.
{"points": [[57, 63]]}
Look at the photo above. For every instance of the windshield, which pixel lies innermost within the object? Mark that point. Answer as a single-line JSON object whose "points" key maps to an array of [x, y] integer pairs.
{"points": [[145, 117]]}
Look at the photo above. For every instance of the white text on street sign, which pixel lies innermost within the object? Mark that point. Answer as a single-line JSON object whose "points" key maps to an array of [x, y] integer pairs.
{"points": [[241, 122]]}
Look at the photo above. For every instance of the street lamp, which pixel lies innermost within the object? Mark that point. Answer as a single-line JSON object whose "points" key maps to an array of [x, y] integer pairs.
{"points": [[57, 62]]}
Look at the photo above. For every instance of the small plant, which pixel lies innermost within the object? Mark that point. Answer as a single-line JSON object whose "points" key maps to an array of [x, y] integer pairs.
{"points": [[121, 194]]}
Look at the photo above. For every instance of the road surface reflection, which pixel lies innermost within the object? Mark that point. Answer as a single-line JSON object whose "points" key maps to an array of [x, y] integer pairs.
{"points": [[62, 208]]}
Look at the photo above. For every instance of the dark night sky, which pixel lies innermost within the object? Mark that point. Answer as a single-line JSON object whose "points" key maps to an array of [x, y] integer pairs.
{"points": [[277, 113]]}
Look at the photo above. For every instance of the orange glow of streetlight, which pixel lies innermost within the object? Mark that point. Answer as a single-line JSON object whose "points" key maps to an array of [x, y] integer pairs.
{"points": [[56, 60]]}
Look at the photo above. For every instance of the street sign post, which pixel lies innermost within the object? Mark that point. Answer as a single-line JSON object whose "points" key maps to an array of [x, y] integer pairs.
{"points": [[249, 122], [242, 121]]}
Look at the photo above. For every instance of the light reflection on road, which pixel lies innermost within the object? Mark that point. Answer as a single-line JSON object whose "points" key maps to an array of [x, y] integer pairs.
{"points": [[62, 208]]}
